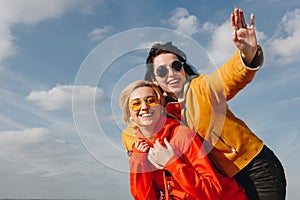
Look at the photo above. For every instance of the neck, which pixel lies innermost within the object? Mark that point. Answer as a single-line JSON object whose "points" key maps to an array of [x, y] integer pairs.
{"points": [[180, 96], [149, 131]]}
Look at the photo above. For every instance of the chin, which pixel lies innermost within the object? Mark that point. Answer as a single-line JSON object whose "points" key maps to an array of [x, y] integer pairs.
{"points": [[149, 123]]}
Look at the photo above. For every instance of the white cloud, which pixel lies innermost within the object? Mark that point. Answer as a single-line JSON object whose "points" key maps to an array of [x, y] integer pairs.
{"points": [[99, 33], [28, 12], [28, 146], [221, 47], [183, 22], [284, 47], [38, 158], [208, 27], [32, 11], [6, 41], [61, 96], [22, 137]]}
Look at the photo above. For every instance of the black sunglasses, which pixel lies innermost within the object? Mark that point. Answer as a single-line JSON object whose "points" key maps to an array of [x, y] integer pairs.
{"points": [[162, 71]]}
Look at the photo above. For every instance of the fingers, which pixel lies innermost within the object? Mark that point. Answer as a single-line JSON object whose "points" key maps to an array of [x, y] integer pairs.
{"points": [[159, 154], [152, 157], [157, 166], [141, 145], [232, 21], [238, 21], [233, 26], [243, 22], [167, 143], [252, 21], [157, 145]]}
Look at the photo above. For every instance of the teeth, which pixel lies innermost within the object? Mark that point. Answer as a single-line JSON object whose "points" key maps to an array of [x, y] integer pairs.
{"points": [[147, 115], [174, 81]]}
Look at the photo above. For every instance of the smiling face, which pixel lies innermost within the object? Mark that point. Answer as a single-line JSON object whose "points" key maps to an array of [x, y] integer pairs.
{"points": [[174, 80], [149, 112]]}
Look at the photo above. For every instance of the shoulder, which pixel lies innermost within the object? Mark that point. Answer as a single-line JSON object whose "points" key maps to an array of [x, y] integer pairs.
{"points": [[183, 133], [129, 137], [200, 83]]}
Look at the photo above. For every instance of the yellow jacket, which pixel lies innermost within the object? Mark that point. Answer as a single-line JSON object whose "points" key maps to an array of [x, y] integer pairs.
{"points": [[229, 142]]}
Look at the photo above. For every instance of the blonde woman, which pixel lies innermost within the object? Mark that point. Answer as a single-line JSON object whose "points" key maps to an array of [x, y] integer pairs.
{"points": [[167, 161]]}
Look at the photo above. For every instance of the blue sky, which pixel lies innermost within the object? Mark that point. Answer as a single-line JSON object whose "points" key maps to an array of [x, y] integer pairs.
{"points": [[62, 50]]}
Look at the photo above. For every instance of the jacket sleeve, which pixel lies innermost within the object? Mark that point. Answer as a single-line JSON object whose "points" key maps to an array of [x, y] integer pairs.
{"points": [[141, 177], [191, 168], [234, 75], [129, 137]]}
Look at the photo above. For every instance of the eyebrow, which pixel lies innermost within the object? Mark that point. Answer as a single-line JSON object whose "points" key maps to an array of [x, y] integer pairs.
{"points": [[143, 97], [164, 64]]}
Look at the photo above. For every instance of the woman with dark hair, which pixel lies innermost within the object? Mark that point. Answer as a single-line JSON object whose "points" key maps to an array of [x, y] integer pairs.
{"points": [[233, 147]]}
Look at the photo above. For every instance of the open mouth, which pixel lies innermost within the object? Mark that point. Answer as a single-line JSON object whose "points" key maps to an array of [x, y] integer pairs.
{"points": [[173, 82], [146, 115]]}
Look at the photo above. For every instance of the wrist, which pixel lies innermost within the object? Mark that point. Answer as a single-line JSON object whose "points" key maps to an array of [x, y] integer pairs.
{"points": [[249, 55], [258, 59], [255, 60]]}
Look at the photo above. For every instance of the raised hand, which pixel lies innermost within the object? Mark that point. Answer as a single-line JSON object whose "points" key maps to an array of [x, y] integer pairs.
{"points": [[244, 37]]}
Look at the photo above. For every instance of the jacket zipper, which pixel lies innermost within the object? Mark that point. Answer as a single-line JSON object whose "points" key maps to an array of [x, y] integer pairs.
{"points": [[224, 142]]}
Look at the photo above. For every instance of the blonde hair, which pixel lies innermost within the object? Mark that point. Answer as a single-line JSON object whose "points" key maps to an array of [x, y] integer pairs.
{"points": [[125, 95]]}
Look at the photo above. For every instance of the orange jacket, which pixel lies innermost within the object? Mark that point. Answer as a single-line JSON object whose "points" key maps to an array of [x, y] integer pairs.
{"points": [[230, 143], [192, 175]]}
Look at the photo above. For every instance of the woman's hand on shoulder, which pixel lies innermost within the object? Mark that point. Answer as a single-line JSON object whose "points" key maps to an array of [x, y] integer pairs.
{"points": [[141, 146], [160, 155]]}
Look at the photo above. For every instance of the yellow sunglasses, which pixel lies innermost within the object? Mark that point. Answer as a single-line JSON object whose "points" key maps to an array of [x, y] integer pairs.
{"points": [[136, 104]]}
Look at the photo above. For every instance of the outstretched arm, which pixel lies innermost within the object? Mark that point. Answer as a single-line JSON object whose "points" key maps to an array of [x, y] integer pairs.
{"points": [[243, 36]]}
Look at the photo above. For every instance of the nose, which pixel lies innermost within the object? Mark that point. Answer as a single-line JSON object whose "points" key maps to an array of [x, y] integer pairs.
{"points": [[144, 105], [171, 71]]}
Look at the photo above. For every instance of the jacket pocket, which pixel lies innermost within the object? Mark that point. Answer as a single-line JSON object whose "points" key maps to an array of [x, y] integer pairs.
{"points": [[227, 146]]}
